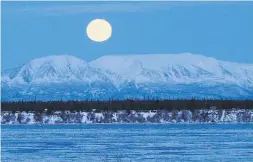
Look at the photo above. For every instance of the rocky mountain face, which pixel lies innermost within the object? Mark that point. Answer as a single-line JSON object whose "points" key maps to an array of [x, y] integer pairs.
{"points": [[66, 77]]}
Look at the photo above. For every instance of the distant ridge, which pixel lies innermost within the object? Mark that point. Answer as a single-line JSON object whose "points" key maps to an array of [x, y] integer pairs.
{"points": [[129, 76]]}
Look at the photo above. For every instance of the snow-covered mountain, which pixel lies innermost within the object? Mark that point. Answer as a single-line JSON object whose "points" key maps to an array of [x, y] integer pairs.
{"points": [[129, 76], [53, 69]]}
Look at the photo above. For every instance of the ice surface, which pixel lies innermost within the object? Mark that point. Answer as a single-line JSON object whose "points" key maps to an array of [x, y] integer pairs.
{"points": [[127, 142]]}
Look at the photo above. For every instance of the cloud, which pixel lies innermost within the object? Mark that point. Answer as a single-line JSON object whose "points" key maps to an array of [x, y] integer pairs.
{"points": [[95, 7]]}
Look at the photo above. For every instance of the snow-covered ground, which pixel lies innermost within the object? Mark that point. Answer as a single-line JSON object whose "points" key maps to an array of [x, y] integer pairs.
{"points": [[154, 116]]}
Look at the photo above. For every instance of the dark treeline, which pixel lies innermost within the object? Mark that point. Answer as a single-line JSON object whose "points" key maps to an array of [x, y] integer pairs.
{"points": [[129, 104]]}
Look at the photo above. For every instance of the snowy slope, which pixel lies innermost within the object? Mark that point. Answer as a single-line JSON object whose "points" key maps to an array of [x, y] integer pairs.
{"points": [[53, 69], [156, 75], [179, 68]]}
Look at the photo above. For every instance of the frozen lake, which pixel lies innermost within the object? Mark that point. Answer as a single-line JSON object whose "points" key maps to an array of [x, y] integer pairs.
{"points": [[128, 142]]}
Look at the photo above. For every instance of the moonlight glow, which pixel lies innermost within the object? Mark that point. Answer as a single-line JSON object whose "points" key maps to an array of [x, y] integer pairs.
{"points": [[99, 30]]}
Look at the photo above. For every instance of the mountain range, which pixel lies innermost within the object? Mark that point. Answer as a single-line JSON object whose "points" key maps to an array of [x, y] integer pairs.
{"points": [[163, 76]]}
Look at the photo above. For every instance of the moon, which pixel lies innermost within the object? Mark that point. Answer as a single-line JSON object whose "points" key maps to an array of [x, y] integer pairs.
{"points": [[99, 30]]}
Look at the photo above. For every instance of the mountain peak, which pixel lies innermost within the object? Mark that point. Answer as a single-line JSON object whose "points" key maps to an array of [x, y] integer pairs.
{"points": [[117, 63], [184, 68], [129, 75], [180, 56], [49, 69], [56, 59]]}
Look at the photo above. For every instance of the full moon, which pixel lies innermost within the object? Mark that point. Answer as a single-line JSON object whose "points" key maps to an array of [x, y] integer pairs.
{"points": [[99, 30]]}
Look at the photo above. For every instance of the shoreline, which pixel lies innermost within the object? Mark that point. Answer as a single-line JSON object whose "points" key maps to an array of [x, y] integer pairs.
{"points": [[201, 116], [93, 124]]}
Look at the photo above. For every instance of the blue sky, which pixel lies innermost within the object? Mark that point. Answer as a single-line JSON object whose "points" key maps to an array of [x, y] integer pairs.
{"points": [[223, 30]]}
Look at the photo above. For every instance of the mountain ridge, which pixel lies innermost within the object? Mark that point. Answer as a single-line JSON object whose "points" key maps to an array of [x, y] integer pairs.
{"points": [[129, 75]]}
